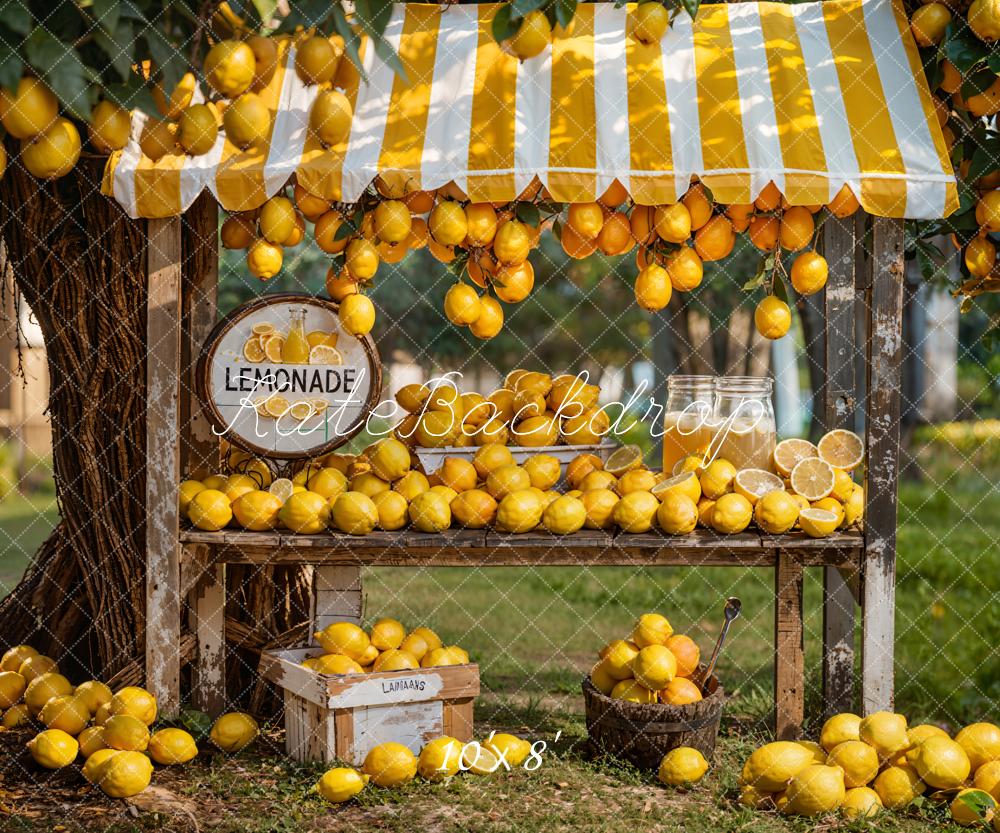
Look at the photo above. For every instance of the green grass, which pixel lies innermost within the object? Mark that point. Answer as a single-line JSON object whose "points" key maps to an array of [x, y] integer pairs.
{"points": [[535, 632], [25, 522]]}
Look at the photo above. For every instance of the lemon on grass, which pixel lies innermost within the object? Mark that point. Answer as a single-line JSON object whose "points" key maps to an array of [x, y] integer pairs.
{"points": [[682, 767], [861, 802], [126, 733], [344, 638], [509, 748], [942, 763], [390, 765], [440, 759], [633, 691], [898, 785], [857, 759], [636, 512], [886, 732], [53, 748], [172, 746], [981, 742], [234, 731], [564, 515], [678, 514], [731, 514], [815, 790], [776, 512], [340, 784], [93, 767], [770, 767], [125, 774], [12, 686]]}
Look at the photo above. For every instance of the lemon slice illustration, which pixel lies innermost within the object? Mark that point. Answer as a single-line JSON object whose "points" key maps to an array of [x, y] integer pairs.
{"points": [[253, 351], [262, 328], [322, 354]]}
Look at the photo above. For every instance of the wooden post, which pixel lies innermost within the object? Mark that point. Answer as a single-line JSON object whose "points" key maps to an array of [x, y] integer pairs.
{"points": [[163, 361], [838, 405], [882, 446], [207, 617], [789, 663]]}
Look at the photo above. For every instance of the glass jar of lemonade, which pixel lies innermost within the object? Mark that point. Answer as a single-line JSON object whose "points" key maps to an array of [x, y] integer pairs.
{"points": [[744, 420], [687, 421]]}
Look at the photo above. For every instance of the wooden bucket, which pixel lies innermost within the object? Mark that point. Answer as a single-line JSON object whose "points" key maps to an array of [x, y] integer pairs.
{"points": [[643, 733]]}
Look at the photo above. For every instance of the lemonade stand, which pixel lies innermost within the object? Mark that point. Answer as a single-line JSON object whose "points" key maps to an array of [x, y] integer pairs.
{"points": [[746, 98]]}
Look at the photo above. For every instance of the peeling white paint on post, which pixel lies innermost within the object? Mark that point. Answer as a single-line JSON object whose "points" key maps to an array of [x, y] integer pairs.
{"points": [[882, 468], [163, 360], [207, 602]]}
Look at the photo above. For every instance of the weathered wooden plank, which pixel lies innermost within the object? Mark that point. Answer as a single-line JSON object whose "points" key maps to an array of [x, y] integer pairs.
{"points": [[207, 603], [882, 446], [789, 662], [337, 596], [839, 248], [163, 358]]}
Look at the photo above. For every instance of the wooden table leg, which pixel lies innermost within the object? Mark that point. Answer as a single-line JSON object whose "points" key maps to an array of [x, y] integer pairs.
{"points": [[207, 604], [789, 663], [838, 643]]}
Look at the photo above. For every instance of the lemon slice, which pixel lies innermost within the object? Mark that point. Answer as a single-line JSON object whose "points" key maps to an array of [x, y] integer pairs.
{"points": [[693, 462], [818, 523], [318, 337], [253, 352], [319, 405], [789, 452], [842, 449], [277, 406], [323, 354], [272, 347], [301, 411], [753, 484], [623, 459], [260, 406], [262, 328], [282, 488], [812, 478], [479, 760], [683, 484]]}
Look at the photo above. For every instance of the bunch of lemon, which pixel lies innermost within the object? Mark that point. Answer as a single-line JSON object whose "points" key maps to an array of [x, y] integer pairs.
{"points": [[652, 665], [861, 766], [109, 731], [347, 649], [531, 410], [393, 764]]}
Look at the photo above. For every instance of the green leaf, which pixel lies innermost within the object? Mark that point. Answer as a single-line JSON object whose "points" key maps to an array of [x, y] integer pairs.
{"points": [[106, 14], [196, 722], [528, 213], [265, 9], [60, 65], [994, 61], [132, 94], [345, 230], [963, 48], [352, 40], [168, 61], [520, 8], [504, 26], [15, 16], [780, 290], [117, 45], [691, 7], [565, 11], [986, 158], [754, 282], [977, 82], [11, 67]]}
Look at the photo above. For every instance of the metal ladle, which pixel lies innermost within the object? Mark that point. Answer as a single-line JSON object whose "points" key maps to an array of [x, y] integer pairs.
{"points": [[732, 612]]}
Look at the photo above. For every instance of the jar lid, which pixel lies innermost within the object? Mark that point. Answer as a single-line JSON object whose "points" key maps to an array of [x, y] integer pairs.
{"points": [[744, 384]]}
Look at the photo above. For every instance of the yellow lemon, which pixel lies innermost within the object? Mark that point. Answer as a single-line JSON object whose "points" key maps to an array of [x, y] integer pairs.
{"points": [[987, 778], [44, 688], [770, 767], [109, 126], [973, 807], [860, 802], [430, 512], [447, 223], [462, 304], [53, 153], [188, 489], [387, 633], [316, 60], [357, 314], [31, 110], [125, 774], [35, 666], [392, 510], [257, 510], [340, 784], [857, 759], [682, 767], [886, 732], [13, 657], [16, 716], [981, 742], [537, 432], [815, 790], [678, 514], [618, 657], [198, 129], [653, 288], [652, 629], [65, 712], [305, 512], [93, 767], [389, 459], [229, 67], [474, 509], [210, 510], [234, 731], [520, 511], [599, 505], [12, 686], [505, 479], [390, 764], [731, 514], [635, 512], [686, 484], [818, 523], [327, 482], [602, 679], [491, 456], [330, 118], [264, 259], [172, 746], [53, 748], [344, 638], [564, 515], [839, 729], [717, 478], [776, 513], [411, 484], [395, 660], [510, 748], [640, 480], [898, 785], [338, 663], [633, 691], [942, 763], [276, 220], [654, 666], [429, 638], [91, 740], [772, 317], [753, 484], [247, 122], [649, 22], [126, 733], [532, 36]]}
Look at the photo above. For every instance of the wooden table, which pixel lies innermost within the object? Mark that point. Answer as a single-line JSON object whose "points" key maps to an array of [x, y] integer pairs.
{"points": [[340, 559]]}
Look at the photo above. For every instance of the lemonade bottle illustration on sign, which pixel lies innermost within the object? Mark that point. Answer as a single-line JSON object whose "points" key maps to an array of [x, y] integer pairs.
{"points": [[295, 350]]}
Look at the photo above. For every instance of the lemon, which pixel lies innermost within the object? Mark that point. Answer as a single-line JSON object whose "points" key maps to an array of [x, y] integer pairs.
{"points": [[305, 512], [772, 317], [430, 638], [818, 523], [44, 688], [839, 729], [942, 763], [387, 633], [392, 510], [819, 753], [389, 459], [264, 260], [357, 314], [390, 764], [686, 484], [981, 742], [344, 638], [65, 712], [511, 245], [752, 797], [188, 489], [276, 219], [649, 22], [815, 790], [564, 515], [234, 731], [457, 474], [93, 767], [898, 785], [368, 483], [327, 482], [510, 748], [430, 512], [731, 514], [678, 514], [91, 740], [885, 731], [653, 288], [340, 784], [857, 759], [520, 511], [635, 512], [229, 67], [599, 505], [491, 456], [776, 512], [13, 657], [53, 153], [842, 449], [987, 777], [682, 767], [16, 716], [125, 774], [256, 510], [861, 802], [438, 657], [474, 509], [158, 138], [984, 20], [337, 664], [126, 732], [654, 666], [705, 509], [619, 657], [917, 735], [12, 686], [633, 691], [717, 479], [197, 129], [790, 452], [31, 110], [53, 748], [447, 223], [652, 629], [672, 222], [35, 666], [753, 484], [973, 807], [773, 765], [109, 126], [172, 746], [601, 678], [210, 510], [411, 484], [532, 36], [247, 122], [330, 118]]}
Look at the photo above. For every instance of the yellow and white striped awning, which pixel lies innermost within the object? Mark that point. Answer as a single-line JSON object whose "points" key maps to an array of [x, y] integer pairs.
{"points": [[811, 96]]}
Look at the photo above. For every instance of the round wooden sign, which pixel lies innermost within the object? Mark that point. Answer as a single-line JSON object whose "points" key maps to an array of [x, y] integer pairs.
{"points": [[280, 378]]}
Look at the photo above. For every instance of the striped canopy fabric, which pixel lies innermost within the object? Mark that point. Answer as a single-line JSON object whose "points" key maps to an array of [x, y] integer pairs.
{"points": [[810, 96]]}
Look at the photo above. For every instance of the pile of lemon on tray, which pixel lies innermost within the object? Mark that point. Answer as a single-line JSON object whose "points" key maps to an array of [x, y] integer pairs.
{"points": [[385, 647], [111, 732], [862, 766]]}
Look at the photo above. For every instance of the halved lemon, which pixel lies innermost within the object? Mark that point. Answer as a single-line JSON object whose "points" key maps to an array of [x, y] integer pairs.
{"points": [[479, 760], [273, 345], [812, 478], [262, 328], [818, 523], [319, 405], [318, 337], [282, 488], [693, 462], [842, 449], [683, 484], [753, 484], [301, 411], [623, 459], [277, 406], [253, 352], [789, 452], [323, 354]]}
